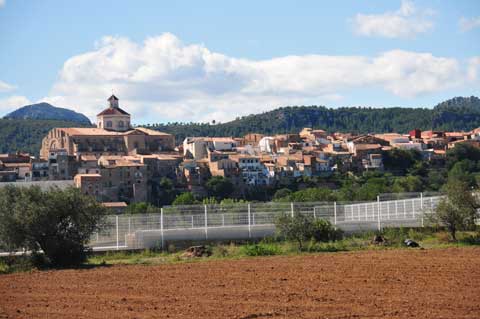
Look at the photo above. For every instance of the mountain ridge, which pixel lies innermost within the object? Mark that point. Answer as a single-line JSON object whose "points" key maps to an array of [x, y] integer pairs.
{"points": [[459, 113], [46, 111]]}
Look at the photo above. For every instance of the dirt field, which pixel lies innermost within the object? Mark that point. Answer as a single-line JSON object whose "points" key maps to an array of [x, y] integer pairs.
{"points": [[375, 284]]}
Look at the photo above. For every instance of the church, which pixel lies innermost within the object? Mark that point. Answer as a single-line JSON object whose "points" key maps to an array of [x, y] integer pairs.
{"points": [[114, 135]]}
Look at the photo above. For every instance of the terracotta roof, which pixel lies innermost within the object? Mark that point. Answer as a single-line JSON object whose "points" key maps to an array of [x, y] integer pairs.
{"points": [[364, 147], [113, 111], [114, 204], [149, 131], [93, 131], [16, 164]]}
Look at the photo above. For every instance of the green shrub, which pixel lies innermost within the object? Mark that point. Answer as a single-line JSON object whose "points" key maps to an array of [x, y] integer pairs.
{"points": [[324, 231], [261, 249], [300, 228]]}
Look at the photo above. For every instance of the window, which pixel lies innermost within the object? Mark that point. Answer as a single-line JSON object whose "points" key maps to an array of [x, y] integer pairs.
{"points": [[109, 124], [120, 123]]}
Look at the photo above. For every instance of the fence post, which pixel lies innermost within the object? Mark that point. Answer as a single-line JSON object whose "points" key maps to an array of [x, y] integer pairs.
{"points": [[249, 222], [129, 225], [116, 227], [223, 220], [335, 213], [206, 223], [192, 222], [378, 213], [314, 213], [161, 228], [421, 207], [388, 210], [291, 208]]}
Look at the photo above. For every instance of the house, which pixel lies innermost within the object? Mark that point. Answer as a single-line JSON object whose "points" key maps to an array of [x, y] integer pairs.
{"points": [[123, 179], [198, 147], [252, 169], [89, 184]]}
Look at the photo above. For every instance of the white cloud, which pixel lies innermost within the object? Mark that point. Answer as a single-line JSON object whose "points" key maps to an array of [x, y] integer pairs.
{"points": [[11, 103], [467, 24], [5, 87], [2, 3], [473, 67], [164, 79], [406, 22]]}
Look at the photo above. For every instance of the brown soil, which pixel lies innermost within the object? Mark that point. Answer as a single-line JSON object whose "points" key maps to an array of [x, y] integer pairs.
{"points": [[440, 283]]}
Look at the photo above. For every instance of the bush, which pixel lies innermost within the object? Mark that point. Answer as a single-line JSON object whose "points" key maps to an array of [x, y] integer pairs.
{"points": [[261, 249], [301, 228], [324, 231], [59, 222], [185, 199]]}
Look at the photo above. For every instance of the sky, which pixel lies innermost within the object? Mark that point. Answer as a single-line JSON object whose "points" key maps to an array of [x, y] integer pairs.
{"points": [[182, 61]]}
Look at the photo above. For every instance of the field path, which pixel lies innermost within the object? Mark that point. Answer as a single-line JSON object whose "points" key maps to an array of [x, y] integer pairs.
{"points": [[437, 283]]}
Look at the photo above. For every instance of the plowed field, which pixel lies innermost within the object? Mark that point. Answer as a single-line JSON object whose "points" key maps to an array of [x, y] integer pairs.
{"points": [[437, 283]]}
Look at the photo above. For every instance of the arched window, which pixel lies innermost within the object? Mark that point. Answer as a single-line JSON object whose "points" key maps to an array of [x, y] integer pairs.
{"points": [[109, 124]]}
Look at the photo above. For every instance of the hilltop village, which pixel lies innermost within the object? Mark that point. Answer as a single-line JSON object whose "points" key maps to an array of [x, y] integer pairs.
{"points": [[119, 164]]}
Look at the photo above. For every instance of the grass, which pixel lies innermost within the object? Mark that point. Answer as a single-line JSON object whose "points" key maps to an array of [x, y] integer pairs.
{"points": [[427, 238]]}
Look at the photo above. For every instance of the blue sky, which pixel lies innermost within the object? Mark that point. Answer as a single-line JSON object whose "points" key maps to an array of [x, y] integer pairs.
{"points": [[205, 60]]}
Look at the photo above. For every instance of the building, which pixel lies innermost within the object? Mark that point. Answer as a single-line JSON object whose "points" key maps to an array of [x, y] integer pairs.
{"points": [[198, 147], [89, 184], [112, 136]]}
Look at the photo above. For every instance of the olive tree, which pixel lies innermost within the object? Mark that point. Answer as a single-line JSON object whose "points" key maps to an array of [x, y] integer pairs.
{"points": [[458, 210], [58, 222]]}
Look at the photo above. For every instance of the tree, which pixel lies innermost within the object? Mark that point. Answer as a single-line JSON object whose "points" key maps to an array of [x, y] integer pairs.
{"points": [[463, 171], [184, 199], [458, 210], [407, 184], [298, 228], [462, 151], [399, 161], [219, 187], [140, 208], [163, 192], [59, 222], [283, 194]]}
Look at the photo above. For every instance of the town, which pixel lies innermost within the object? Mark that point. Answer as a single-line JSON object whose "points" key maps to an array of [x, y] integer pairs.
{"points": [[120, 164]]}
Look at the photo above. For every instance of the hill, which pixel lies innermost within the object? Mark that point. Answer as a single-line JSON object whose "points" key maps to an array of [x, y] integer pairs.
{"points": [[45, 111], [26, 135], [460, 113], [455, 114]]}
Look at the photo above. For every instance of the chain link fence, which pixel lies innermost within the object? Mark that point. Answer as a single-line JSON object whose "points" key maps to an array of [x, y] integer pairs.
{"points": [[256, 220]]}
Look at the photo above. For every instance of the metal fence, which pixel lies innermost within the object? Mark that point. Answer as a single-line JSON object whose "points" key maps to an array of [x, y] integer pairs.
{"points": [[254, 220]]}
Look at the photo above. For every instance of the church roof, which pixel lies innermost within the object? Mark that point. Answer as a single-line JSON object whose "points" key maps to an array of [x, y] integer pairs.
{"points": [[93, 131], [113, 111]]}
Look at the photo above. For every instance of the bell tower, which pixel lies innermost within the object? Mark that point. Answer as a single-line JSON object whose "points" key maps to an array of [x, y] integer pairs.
{"points": [[113, 118], [113, 101]]}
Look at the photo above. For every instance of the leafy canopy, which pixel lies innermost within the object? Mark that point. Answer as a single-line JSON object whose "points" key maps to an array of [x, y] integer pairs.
{"points": [[59, 222]]}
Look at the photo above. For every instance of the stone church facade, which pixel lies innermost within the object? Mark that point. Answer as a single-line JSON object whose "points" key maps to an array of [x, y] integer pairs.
{"points": [[113, 135]]}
